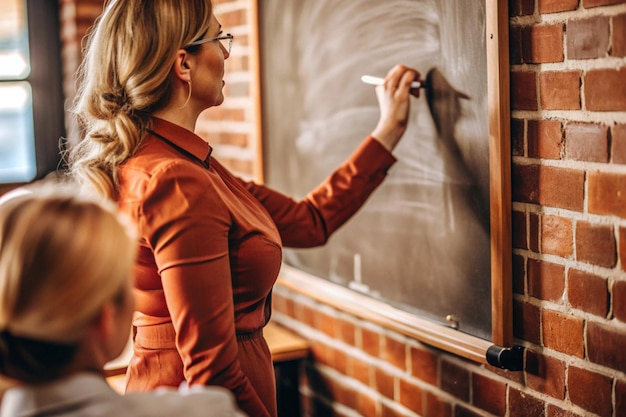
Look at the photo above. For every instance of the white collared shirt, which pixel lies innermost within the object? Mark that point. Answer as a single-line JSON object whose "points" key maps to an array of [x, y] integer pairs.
{"points": [[89, 395]]}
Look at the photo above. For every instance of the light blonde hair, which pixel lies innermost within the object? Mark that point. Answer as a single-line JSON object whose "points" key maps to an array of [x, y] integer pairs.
{"points": [[125, 76], [62, 257]]}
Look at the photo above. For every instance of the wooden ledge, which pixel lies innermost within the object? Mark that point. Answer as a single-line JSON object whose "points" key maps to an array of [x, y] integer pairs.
{"points": [[284, 345]]}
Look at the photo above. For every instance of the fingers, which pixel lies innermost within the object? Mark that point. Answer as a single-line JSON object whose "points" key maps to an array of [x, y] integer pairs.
{"points": [[399, 79], [394, 103]]}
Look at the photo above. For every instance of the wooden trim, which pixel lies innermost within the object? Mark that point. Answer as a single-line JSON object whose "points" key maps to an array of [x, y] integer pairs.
{"points": [[255, 90], [383, 314], [497, 25]]}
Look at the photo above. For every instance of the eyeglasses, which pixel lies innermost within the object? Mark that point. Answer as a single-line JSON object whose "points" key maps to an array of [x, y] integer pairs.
{"points": [[227, 45]]}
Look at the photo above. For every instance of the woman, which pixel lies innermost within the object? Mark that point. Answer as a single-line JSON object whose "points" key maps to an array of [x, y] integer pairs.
{"points": [[210, 243], [65, 310]]}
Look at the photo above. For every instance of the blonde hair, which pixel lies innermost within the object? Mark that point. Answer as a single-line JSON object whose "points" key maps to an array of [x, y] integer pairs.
{"points": [[125, 76], [62, 257]]}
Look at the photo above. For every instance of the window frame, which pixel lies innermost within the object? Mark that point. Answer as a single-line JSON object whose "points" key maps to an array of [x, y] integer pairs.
{"points": [[46, 83]]}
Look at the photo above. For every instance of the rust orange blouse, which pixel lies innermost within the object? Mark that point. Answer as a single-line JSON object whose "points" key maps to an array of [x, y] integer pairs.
{"points": [[210, 252]]}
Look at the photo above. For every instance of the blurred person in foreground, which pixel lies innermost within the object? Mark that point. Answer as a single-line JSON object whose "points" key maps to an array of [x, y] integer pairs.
{"points": [[65, 310]]}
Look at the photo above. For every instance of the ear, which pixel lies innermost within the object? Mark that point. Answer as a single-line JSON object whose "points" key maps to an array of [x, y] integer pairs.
{"points": [[182, 65]]}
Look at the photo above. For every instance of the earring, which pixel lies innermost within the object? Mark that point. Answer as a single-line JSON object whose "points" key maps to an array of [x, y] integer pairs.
{"points": [[188, 95]]}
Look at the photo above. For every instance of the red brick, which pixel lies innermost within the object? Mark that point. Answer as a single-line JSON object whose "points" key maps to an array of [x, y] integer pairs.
{"points": [[588, 292], [525, 179], [622, 247], [587, 142], [554, 6], [618, 143], [619, 300], [345, 331], [519, 273], [384, 383], [224, 113], [306, 315], [520, 237], [325, 323], [236, 88], [387, 411], [618, 42], [533, 238], [437, 407], [620, 395], [235, 64], [339, 361], [330, 388], [605, 346], [543, 43], [360, 370], [554, 411], [605, 90], [460, 410], [232, 18], [424, 365], [521, 7], [597, 399], [524, 90], [596, 3], [546, 280], [560, 90], [545, 374], [517, 137], [561, 187], [365, 405], [595, 244], [588, 38], [455, 380], [411, 396], [562, 333], [556, 236], [394, 353], [234, 139], [545, 139], [238, 166], [515, 45], [527, 321], [522, 404], [370, 342], [489, 394], [607, 193], [322, 353]]}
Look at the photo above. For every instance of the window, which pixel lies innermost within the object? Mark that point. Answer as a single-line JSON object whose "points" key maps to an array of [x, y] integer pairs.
{"points": [[31, 100]]}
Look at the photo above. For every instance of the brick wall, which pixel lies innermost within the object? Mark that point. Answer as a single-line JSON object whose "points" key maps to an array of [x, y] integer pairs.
{"points": [[232, 126], [568, 99]]}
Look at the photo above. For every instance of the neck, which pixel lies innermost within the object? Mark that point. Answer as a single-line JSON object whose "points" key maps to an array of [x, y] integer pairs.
{"points": [[182, 117]]}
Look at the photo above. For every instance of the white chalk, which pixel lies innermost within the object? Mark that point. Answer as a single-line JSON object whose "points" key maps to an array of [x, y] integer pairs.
{"points": [[370, 79]]}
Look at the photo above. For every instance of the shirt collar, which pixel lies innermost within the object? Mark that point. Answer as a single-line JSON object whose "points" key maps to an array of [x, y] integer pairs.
{"points": [[182, 138]]}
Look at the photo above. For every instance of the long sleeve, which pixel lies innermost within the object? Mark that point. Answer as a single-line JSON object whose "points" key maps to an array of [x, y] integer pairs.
{"points": [[311, 221], [187, 228]]}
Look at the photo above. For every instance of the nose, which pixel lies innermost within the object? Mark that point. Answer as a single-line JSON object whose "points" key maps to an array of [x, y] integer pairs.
{"points": [[225, 50]]}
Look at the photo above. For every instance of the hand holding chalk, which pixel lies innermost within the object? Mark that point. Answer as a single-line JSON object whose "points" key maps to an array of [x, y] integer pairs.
{"points": [[394, 103]]}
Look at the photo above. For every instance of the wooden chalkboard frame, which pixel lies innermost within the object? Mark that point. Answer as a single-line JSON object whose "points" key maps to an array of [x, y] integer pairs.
{"points": [[499, 351]]}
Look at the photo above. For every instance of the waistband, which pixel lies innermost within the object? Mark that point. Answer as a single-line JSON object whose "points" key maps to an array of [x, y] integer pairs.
{"points": [[163, 336]]}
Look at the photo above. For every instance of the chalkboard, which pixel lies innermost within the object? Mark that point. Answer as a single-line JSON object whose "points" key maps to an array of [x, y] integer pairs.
{"points": [[422, 241]]}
